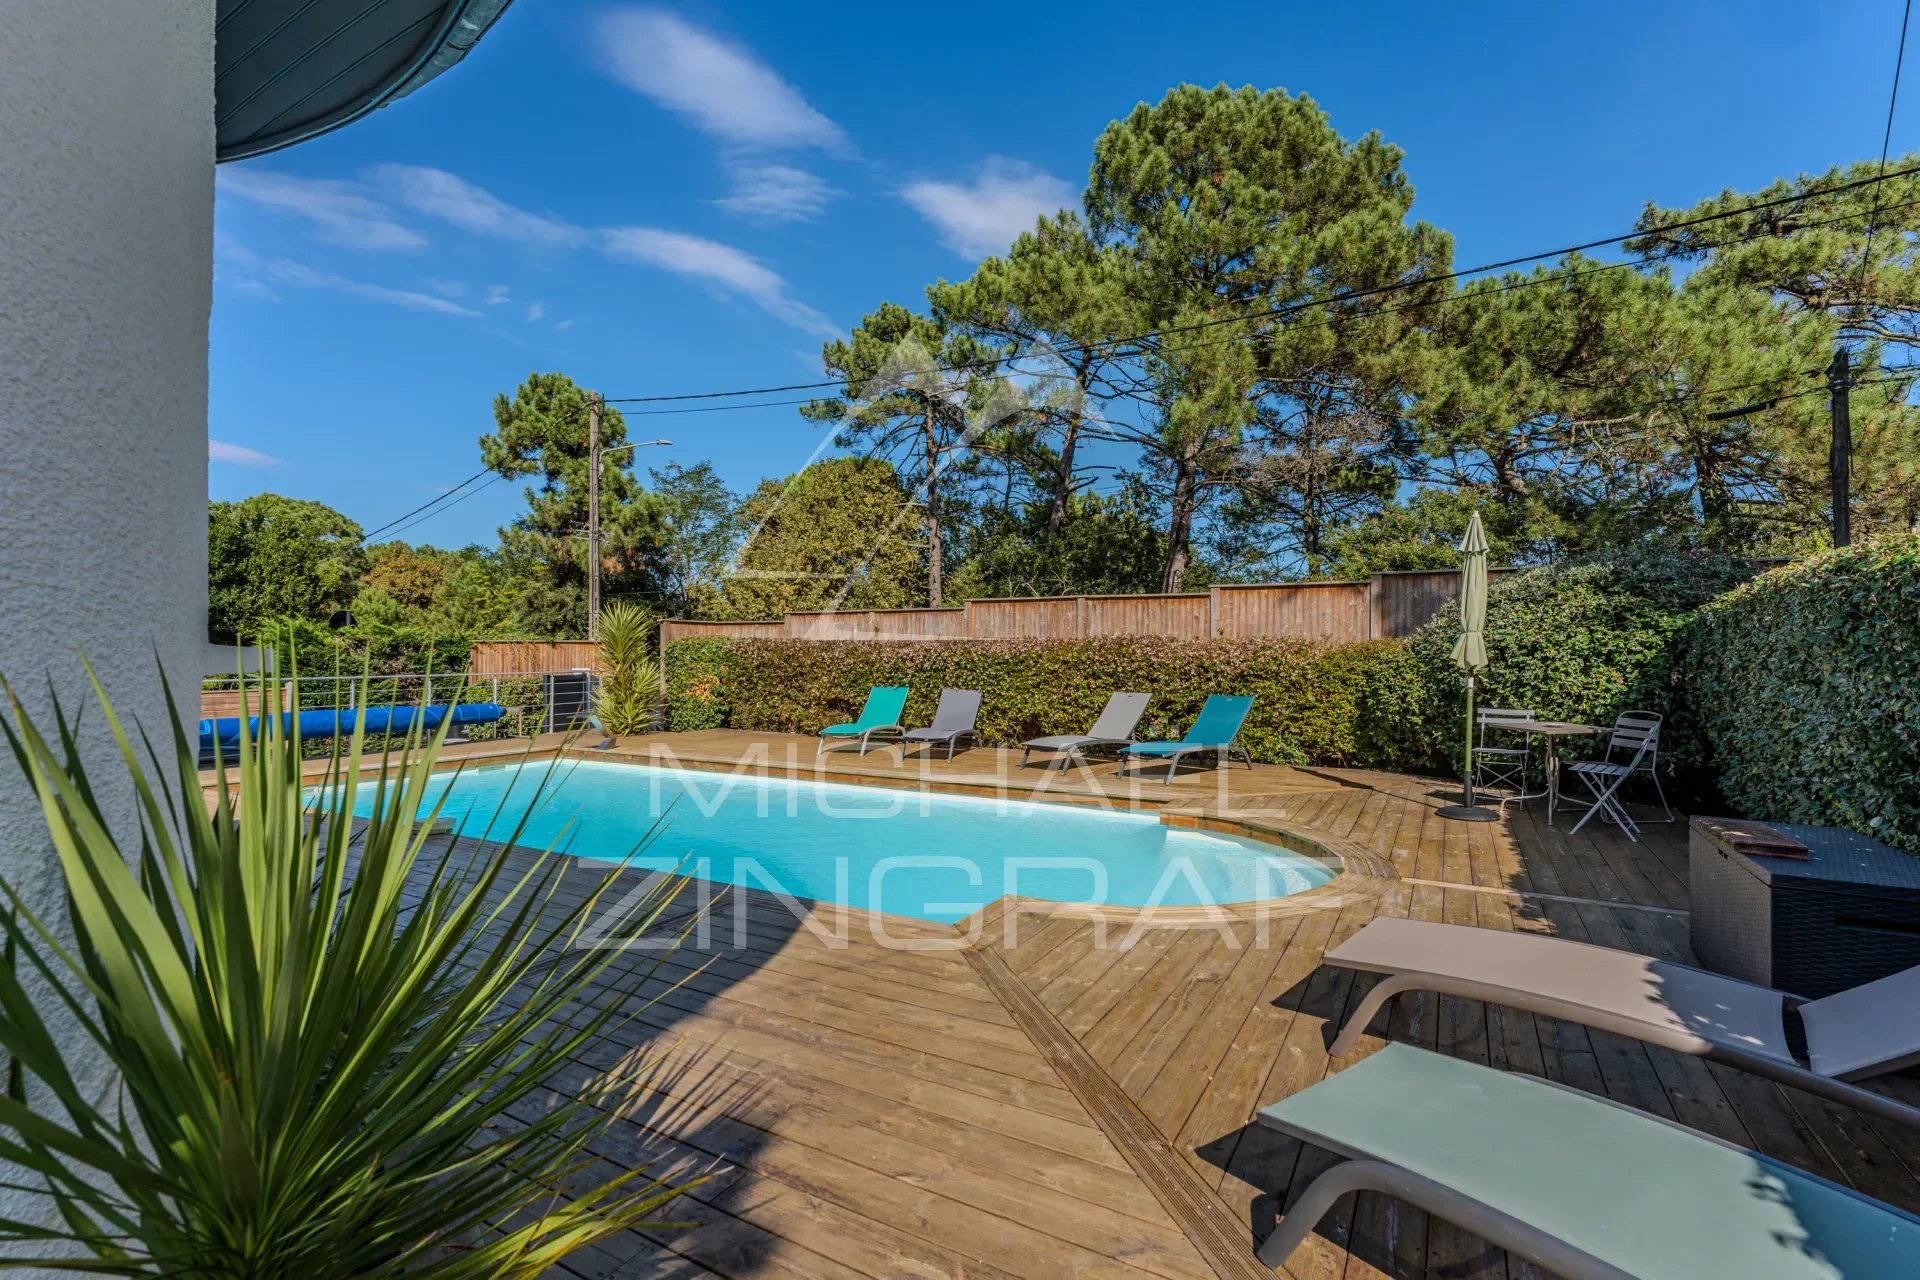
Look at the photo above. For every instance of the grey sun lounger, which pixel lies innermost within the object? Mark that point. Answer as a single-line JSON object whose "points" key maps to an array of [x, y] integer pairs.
{"points": [[1114, 728], [1862, 1032], [953, 720], [879, 718], [1216, 731], [1582, 1186]]}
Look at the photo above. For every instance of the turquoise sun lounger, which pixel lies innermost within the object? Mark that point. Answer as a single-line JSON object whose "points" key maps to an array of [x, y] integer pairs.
{"points": [[1215, 730], [880, 718], [1584, 1187]]}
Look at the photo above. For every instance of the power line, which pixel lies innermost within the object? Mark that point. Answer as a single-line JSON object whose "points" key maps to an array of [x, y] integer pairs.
{"points": [[1545, 280], [1356, 294], [450, 506], [1886, 145], [443, 496]]}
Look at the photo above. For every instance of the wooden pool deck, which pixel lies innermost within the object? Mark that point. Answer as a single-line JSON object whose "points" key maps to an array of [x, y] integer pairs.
{"points": [[1059, 1103]]}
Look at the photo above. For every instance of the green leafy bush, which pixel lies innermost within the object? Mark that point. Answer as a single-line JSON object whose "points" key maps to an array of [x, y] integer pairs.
{"points": [[1583, 640], [1310, 706], [1805, 686], [316, 1035], [699, 672], [628, 700]]}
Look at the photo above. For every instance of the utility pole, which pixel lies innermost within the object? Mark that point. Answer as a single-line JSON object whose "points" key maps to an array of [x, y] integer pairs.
{"points": [[593, 515], [1840, 460], [935, 552]]}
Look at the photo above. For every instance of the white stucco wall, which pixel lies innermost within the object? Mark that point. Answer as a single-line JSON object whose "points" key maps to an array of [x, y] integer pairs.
{"points": [[106, 245]]}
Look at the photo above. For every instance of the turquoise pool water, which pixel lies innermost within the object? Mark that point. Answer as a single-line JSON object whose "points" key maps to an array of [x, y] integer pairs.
{"points": [[909, 853]]}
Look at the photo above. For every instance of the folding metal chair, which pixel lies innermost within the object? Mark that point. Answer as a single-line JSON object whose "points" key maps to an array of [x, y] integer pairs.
{"points": [[1636, 735], [1650, 765], [1502, 765]]}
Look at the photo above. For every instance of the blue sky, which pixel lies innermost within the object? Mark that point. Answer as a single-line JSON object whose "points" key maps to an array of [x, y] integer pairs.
{"points": [[686, 198]]}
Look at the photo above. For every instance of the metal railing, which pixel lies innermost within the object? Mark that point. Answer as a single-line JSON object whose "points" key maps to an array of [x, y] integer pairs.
{"points": [[535, 701]]}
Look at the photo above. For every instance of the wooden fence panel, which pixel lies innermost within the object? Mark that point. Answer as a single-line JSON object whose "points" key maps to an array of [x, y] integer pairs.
{"points": [[672, 629], [502, 657], [1187, 617], [1386, 605], [1404, 602], [1330, 612], [1055, 618], [879, 624], [216, 703]]}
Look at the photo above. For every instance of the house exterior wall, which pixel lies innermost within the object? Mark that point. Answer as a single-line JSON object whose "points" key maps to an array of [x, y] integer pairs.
{"points": [[106, 244]]}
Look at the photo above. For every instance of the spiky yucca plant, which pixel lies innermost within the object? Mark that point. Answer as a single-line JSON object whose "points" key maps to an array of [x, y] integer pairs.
{"points": [[629, 691], [319, 1028]]}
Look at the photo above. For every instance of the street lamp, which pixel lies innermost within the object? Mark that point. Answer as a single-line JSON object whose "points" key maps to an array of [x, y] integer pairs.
{"points": [[594, 453]]}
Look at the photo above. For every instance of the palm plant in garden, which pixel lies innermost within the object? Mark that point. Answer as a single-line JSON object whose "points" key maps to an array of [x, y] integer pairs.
{"points": [[628, 701], [330, 1044]]}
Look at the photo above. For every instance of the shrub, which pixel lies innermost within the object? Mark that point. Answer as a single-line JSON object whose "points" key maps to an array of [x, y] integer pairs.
{"points": [[1310, 706], [1805, 686], [629, 693], [1582, 640], [698, 673], [316, 1040]]}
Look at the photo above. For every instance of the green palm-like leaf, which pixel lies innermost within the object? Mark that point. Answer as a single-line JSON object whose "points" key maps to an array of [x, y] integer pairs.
{"points": [[629, 691], [320, 1025]]}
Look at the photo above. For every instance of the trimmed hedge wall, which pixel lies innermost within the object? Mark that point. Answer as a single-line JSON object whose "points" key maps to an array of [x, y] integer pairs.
{"points": [[1792, 696], [1315, 704], [1582, 640], [1805, 686]]}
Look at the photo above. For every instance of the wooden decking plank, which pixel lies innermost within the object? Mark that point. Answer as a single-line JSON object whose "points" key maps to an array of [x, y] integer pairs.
{"points": [[856, 1090], [1022, 1228], [1191, 1002], [989, 1141], [912, 1079]]}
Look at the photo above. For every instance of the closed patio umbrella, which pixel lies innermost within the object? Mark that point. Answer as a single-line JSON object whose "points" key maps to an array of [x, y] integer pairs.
{"points": [[1470, 650]]}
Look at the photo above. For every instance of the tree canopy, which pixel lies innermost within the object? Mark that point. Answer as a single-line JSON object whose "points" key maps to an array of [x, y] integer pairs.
{"points": [[270, 557], [1243, 356]]}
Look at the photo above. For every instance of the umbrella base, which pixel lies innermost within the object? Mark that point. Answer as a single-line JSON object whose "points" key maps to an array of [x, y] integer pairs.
{"points": [[1468, 812]]}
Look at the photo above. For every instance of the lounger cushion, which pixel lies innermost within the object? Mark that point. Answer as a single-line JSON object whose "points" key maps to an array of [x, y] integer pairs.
{"points": [[932, 735], [1168, 748], [1656, 1200], [1865, 1030], [1672, 1004], [1063, 741]]}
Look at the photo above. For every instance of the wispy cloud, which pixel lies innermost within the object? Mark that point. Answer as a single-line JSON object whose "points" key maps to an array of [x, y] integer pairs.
{"points": [[298, 273], [443, 195], [564, 325], [341, 213], [735, 273], [720, 265], [776, 193], [725, 89], [239, 455], [983, 216]]}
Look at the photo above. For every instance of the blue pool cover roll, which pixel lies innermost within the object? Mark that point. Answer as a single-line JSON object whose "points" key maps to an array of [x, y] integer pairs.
{"points": [[339, 723]]}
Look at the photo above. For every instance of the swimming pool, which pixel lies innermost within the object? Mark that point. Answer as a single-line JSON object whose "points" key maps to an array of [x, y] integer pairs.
{"points": [[910, 853]]}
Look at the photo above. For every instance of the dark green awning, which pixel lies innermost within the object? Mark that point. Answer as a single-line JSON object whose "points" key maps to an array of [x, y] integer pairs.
{"points": [[289, 70]]}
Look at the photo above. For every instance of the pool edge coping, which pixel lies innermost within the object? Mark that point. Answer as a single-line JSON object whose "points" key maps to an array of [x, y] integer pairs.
{"points": [[1357, 870]]}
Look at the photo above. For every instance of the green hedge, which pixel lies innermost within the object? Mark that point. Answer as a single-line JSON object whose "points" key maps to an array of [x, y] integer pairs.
{"points": [[1582, 640], [1805, 685], [1794, 696], [1315, 704]]}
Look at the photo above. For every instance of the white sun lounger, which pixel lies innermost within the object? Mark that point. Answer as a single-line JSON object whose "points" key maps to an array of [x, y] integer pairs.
{"points": [[1862, 1032], [1582, 1186]]}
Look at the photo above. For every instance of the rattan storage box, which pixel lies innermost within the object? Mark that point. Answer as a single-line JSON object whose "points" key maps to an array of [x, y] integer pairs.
{"points": [[1849, 913]]}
